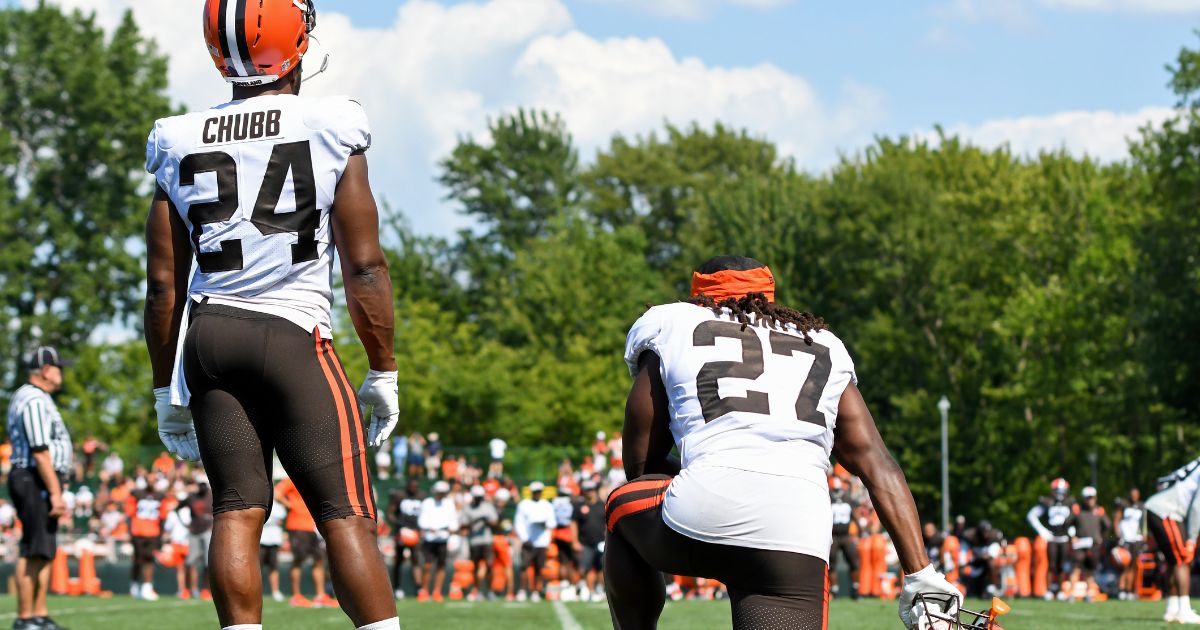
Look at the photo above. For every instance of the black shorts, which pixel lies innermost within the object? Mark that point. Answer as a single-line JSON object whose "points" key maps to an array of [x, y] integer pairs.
{"points": [[592, 559], [1059, 556], [534, 557], [268, 556], [144, 548], [847, 545], [1170, 538], [259, 385], [566, 552], [434, 552], [482, 553], [305, 546], [767, 589], [31, 499], [1087, 559]]}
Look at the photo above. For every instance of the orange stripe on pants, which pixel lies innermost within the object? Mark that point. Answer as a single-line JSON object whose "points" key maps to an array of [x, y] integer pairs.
{"points": [[343, 426], [369, 506], [634, 486]]}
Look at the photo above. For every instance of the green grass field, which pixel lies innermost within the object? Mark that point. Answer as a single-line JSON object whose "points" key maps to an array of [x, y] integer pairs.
{"points": [[169, 614]]}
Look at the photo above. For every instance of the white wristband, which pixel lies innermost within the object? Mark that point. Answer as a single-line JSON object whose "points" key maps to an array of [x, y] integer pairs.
{"points": [[920, 575]]}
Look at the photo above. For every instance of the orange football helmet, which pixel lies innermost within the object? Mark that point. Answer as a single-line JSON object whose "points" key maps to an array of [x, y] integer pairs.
{"points": [[254, 42]]}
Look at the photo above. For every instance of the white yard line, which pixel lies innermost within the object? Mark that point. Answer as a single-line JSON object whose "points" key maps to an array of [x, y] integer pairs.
{"points": [[102, 609], [565, 618]]}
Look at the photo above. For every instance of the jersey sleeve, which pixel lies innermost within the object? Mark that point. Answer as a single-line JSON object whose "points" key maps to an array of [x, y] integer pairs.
{"points": [[156, 153], [841, 359], [642, 337], [354, 130], [37, 424]]}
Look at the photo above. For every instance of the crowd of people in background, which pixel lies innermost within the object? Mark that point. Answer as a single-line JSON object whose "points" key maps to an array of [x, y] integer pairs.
{"points": [[452, 523], [446, 516]]}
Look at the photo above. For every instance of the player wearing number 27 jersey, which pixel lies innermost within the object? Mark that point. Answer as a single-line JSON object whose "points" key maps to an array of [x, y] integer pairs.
{"points": [[756, 397], [255, 195]]}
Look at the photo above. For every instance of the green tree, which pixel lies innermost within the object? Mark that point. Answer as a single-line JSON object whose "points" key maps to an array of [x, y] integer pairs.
{"points": [[1169, 244], [76, 105]]}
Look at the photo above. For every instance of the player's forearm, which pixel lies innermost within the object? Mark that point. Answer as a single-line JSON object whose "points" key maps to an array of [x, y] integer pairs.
{"points": [[369, 299], [45, 468], [897, 510], [160, 323]]}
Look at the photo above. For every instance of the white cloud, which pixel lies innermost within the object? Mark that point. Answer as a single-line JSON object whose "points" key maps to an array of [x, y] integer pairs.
{"points": [[640, 83], [692, 9], [1099, 134], [1127, 6], [438, 72]]}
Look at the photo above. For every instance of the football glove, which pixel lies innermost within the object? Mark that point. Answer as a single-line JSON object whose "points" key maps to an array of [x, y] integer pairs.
{"points": [[380, 392], [925, 581], [175, 427]]}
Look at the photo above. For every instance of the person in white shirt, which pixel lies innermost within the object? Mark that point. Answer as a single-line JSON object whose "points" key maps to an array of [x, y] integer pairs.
{"points": [[497, 447], [1176, 504], [756, 396], [439, 517], [176, 529], [268, 547], [534, 520]]}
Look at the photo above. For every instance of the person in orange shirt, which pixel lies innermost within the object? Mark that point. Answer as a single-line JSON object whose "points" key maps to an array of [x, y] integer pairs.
{"points": [[164, 464], [5, 458], [305, 544], [147, 509]]}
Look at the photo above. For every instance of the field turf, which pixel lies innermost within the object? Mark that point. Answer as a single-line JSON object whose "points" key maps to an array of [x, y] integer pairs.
{"points": [[171, 614]]}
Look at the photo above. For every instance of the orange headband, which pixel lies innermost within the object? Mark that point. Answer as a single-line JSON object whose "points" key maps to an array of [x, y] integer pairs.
{"points": [[734, 284]]}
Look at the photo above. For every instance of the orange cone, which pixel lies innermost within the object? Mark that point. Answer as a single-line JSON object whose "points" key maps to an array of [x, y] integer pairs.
{"points": [[87, 572], [1041, 564], [1023, 566], [60, 574]]}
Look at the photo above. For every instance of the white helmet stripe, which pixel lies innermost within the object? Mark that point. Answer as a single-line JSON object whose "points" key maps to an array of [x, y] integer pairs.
{"points": [[231, 19]]}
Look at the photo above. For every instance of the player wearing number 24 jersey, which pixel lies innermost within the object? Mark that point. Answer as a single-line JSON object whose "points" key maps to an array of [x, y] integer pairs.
{"points": [[255, 195], [756, 397]]}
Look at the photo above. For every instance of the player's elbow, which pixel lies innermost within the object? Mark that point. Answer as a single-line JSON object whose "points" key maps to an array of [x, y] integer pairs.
{"points": [[160, 291], [368, 271]]}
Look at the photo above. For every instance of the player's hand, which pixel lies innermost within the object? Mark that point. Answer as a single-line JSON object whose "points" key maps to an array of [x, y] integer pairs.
{"points": [[175, 427], [57, 506], [382, 393], [926, 581]]}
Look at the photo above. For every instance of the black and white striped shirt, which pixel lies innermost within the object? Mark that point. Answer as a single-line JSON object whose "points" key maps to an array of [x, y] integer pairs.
{"points": [[34, 424]]}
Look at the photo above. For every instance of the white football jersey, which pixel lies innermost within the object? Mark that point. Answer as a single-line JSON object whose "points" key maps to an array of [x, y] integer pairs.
{"points": [[752, 412], [254, 182], [1178, 497]]}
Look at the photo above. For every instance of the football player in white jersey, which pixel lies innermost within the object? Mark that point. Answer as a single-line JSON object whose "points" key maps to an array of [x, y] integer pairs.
{"points": [[756, 396], [1176, 503], [261, 190]]}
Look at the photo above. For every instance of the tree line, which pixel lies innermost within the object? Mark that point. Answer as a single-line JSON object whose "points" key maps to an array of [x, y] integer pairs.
{"points": [[1053, 299]]}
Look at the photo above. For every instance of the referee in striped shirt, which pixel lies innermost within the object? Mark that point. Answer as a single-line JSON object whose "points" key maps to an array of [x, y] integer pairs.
{"points": [[41, 459]]}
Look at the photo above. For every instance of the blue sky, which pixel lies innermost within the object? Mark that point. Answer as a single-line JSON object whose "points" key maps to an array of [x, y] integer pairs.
{"points": [[821, 79], [934, 63]]}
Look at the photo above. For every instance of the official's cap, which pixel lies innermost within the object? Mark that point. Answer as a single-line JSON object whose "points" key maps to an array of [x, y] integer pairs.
{"points": [[537, 486], [46, 355], [441, 487], [1088, 492]]}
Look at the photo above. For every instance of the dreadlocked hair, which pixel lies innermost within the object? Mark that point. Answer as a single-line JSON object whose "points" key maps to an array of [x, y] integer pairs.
{"points": [[764, 312]]}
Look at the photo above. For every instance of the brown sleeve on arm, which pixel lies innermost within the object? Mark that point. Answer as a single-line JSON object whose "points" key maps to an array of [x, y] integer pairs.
{"points": [[859, 447], [647, 433]]}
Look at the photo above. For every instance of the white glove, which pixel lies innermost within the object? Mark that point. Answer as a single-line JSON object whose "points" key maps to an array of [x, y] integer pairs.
{"points": [[175, 427], [926, 581], [381, 392]]}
